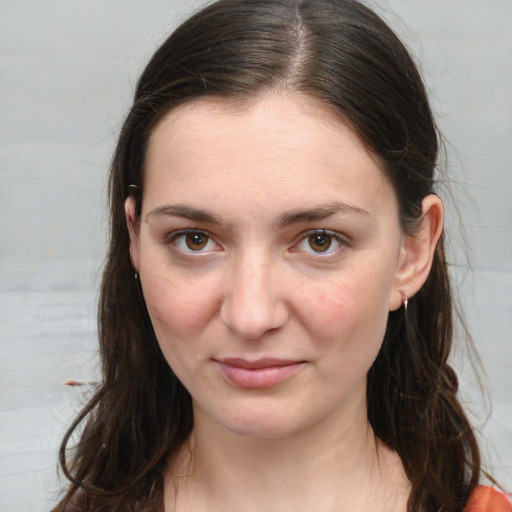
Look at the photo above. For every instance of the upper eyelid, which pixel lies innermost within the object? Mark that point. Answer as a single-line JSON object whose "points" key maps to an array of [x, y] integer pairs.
{"points": [[301, 234], [335, 234], [186, 231]]}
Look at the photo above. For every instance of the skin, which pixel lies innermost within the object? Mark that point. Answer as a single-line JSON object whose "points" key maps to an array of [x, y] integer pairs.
{"points": [[293, 252]]}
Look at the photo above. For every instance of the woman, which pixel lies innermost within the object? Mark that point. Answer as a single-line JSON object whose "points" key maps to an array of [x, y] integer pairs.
{"points": [[276, 317]]}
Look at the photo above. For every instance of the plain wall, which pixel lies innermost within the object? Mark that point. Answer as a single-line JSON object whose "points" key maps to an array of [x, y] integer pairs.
{"points": [[68, 69]]}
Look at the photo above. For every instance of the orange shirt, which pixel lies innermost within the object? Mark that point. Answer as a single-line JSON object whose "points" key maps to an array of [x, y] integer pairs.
{"points": [[488, 499]]}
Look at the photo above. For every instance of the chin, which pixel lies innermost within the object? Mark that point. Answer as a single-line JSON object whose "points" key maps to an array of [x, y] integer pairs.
{"points": [[263, 422], [259, 430]]}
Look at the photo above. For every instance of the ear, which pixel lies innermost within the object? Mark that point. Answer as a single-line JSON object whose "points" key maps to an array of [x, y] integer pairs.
{"points": [[133, 225], [417, 252]]}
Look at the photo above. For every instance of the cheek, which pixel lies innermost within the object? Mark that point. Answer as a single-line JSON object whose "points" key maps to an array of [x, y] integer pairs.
{"points": [[179, 314], [350, 310], [344, 301], [178, 307], [348, 333]]}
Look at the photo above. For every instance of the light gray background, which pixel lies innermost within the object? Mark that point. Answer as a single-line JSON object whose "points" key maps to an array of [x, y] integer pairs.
{"points": [[68, 68]]}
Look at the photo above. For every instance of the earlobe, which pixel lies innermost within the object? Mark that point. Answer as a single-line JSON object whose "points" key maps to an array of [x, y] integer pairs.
{"points": [[417, 252], [132, 224]]}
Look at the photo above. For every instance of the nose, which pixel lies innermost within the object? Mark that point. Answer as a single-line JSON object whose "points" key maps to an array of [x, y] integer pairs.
{"points": [[253, 302]]}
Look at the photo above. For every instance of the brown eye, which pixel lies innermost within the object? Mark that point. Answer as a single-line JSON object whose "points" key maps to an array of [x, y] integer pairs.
{"points": [[320, 242], [196, 241], [193, 242]]}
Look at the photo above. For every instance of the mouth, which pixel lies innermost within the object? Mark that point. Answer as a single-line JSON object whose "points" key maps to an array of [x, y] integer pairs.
{"points": [[259, 374]]}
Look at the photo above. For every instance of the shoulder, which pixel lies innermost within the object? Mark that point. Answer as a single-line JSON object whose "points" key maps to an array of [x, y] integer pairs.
{"points": [[488, 499]]}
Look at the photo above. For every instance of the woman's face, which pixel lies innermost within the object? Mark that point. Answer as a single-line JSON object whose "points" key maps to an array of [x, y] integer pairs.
{"points": [[269, 250]]}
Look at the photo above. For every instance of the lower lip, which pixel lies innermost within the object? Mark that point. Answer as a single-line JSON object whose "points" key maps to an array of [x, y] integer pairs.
{"points": [[258, 378]]}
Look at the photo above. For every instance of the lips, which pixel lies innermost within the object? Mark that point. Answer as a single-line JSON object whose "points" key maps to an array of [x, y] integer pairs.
{"points": [[259, 374]]}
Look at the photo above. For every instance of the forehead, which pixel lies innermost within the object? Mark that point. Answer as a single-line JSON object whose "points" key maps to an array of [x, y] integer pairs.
{"points": [[278, 115], [277, 145]]}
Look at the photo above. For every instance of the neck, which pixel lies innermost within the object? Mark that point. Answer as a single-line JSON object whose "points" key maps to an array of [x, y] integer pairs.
{"points": [[321, 468]]}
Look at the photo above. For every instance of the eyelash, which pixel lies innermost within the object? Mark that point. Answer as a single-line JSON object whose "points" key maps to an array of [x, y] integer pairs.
{"points": [[176, 237], [333, 236]]}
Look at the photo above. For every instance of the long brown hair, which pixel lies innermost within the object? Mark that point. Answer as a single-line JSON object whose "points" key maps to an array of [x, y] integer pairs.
{"points": [[345, 56]]}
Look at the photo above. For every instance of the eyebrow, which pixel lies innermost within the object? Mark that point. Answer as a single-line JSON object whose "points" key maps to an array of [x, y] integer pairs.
{"points": [[319, 213], [187, 212], [316, 213]]}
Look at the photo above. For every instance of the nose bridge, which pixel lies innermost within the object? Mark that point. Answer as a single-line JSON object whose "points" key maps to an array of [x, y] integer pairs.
{"points": [[252, 303]]}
